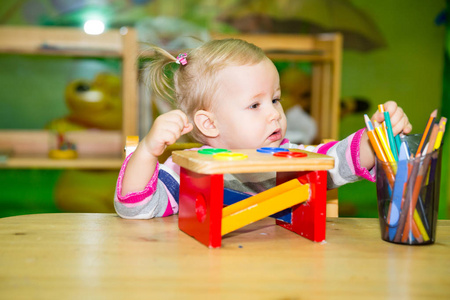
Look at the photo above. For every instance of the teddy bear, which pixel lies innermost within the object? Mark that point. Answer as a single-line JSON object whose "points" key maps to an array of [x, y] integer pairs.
{"points": [[95, 104]]}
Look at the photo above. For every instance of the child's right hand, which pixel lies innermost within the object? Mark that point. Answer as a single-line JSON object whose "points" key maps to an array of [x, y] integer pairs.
{"points": [[165, 131]]}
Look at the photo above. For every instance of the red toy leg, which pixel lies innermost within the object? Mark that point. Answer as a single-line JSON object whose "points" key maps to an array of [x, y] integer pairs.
{"points": [[308, 218], [201, 202]]}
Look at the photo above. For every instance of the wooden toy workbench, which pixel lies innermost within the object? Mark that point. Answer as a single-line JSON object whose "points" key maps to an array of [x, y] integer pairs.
{"points": [[299, 179]]}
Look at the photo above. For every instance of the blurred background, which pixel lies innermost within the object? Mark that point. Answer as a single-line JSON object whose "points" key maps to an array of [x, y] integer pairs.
{"points": [[392, 50]]}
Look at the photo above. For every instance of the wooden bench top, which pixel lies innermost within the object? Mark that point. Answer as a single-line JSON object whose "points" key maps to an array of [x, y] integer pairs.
{"points": [[256, 162]]}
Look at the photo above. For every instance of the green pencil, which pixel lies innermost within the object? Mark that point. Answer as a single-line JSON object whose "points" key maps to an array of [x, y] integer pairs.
{"points": [[390, 135]]}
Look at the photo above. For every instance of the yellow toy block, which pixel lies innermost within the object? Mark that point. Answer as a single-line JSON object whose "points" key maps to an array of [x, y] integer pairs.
{"points": [[263, 205]]}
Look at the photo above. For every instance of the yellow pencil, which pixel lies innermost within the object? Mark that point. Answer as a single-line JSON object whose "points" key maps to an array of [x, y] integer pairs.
{"points": [[419, 223], [440, 134], [383, 140], [382, 110]]}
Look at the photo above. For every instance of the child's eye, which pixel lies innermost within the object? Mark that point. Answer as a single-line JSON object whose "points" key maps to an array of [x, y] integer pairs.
{"points": [[274, 101], [254, 106]]}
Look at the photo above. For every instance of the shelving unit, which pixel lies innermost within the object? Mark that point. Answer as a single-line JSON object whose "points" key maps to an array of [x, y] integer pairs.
{"points": [[324, 52], [100, 149], [30, 148]]}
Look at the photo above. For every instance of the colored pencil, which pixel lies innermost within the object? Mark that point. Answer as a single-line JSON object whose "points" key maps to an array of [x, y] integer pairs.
{"points": [[376, 145], [406, 203], [400, 182], [434, 159], [383, 141], [398, 141], [420, 226], [440, 134], [369, 124], [432, 140], [390, 135], [383, 124], [422, 214], [426, 131]]}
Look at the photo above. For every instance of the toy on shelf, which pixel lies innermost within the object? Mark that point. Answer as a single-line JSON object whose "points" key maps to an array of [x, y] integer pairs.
{"points": [[63, 148], [301, 177], [93, 103]]}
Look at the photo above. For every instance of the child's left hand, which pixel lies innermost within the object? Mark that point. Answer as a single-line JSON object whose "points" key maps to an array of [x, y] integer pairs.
{"points": [[399, 120]]}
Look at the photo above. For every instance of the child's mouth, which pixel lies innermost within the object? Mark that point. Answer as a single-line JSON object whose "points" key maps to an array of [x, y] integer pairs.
{"points": [[275, 136]]}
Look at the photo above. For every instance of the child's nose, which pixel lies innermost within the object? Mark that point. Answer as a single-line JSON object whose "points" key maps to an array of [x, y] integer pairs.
{"points": [[274, 114]]}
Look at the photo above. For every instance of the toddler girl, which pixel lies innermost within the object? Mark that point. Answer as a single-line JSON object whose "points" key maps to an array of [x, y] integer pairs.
{"points": [[228, 95]]}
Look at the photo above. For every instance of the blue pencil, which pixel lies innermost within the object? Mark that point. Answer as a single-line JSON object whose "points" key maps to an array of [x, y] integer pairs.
{"points": [[400, 180]]}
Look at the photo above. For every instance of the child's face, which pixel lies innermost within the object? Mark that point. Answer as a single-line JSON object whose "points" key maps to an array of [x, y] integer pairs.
{"points": [[247, 107]]}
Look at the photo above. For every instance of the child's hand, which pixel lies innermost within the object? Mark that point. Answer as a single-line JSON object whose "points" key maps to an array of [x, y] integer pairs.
{"points": [[399, 120], [166, 130]]}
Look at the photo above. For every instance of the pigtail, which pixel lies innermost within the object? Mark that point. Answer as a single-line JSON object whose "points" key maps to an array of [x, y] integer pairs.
{"points": [[159, 74]]}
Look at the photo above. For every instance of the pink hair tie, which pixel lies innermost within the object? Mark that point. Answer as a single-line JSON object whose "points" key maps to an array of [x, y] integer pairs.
{"points": [[181, 59]]}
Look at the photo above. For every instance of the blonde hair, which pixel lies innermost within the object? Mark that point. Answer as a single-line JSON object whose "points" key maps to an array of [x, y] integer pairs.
{"points": [[192, 86]]}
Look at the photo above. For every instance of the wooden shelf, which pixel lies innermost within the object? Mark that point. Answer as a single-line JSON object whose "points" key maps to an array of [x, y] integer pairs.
{"points": [[60, 41], [101, 149], [42, 162], [29, 149], [69, 52]]}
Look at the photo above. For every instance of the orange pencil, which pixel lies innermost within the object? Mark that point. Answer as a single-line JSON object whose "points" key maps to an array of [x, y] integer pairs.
{"points": [[426, 131], [376, 145]]}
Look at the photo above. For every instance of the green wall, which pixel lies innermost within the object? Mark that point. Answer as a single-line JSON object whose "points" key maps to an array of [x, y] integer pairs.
{"points": [[32, 87], [409, 71]]}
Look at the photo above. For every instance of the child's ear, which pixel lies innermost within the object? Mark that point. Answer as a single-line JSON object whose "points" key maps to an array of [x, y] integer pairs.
{"points": [[205, 122]]}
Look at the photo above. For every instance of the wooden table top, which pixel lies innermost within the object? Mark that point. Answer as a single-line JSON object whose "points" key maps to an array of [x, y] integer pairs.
{"points": [[101, 256]]}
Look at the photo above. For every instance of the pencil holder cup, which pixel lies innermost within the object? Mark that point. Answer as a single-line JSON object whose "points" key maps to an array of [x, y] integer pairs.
{"points": [[408, 197]]}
